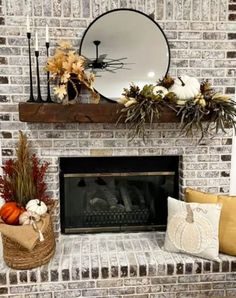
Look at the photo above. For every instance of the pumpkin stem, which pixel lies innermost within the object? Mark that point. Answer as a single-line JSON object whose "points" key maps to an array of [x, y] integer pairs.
{"points": [[189, 217], [39, 203], [183, 84]]}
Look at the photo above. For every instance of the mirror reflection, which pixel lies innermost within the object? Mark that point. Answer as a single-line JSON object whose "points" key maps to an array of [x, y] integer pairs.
{"points": [[124, 46]]}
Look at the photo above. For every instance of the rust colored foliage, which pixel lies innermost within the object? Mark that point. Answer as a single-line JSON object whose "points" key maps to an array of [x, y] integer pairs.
{"points": [[6, 189], [39, 171], [23, 178]]}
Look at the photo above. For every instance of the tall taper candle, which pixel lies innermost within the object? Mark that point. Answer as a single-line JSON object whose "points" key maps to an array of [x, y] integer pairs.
{"points": [[47, 34], [31, 99], [27, 24]]}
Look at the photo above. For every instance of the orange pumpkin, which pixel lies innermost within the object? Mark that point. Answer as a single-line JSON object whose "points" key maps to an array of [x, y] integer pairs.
{"points": [[10, 213]]}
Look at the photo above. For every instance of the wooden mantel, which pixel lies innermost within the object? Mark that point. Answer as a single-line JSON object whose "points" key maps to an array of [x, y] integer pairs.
{"points": [[81, 112]]}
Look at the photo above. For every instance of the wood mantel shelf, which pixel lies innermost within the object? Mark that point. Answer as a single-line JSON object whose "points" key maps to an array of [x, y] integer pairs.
{"points": [[81, 112]]}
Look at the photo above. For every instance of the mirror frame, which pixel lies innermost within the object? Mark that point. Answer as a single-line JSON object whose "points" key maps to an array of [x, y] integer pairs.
{"points": [[136, 11]]}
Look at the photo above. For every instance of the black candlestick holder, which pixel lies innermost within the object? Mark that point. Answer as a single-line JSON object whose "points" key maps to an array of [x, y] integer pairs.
{"points": [[49, 100], [31, 98], [39, 98]]}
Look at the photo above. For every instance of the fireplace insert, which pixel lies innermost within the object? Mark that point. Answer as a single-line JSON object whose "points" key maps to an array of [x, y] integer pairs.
{"points": [[125, 193]]}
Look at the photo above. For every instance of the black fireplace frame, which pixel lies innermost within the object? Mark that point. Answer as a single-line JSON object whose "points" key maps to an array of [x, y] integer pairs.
{"points": [[77, 165]]}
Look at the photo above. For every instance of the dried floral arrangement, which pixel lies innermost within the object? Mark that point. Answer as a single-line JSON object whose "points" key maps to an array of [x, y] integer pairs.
{"points": [[141, 106], [67, 67], [192, 101], [22, 185]]}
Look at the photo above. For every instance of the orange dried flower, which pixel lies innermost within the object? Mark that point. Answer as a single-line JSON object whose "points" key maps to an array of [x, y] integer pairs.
{"points": [[65, 65]]}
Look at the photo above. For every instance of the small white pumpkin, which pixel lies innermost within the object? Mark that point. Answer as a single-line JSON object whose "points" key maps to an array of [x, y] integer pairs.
{"points": [[36, 206], [130, 102], [28, 218], [160, 90], [185, 87], [122, 100], [2, 202], [127, 101], [181, 102], [31, 218]]}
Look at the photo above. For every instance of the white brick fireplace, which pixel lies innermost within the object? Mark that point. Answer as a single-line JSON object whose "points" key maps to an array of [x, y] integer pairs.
{"points": [[124, 265], [202, 38]]}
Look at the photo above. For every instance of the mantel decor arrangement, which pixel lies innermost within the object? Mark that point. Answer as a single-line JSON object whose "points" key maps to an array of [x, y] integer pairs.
{"points": [[196, 105], [192, 102], [25, 221], [68, 71]]}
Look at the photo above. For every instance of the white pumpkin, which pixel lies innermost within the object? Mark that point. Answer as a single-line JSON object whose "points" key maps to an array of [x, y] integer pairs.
{"points": [[160, 90], [190, 231], [31, 218], [28, 218], [2, 202], [185, 87], [130, 102], [122, 100], [36, 206]]}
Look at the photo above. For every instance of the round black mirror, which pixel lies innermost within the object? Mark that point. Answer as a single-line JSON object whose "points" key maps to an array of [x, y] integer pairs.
{"points": [[123, 46]]}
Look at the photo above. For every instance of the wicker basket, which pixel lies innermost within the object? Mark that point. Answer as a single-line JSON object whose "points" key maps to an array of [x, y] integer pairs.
{"points": [[17, 257]]}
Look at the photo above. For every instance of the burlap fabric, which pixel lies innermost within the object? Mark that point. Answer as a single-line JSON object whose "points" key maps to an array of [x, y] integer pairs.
{"points": [[22, 248]]}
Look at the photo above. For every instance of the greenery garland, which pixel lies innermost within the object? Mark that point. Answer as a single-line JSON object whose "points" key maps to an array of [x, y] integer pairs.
{"points": [[142, 106]]}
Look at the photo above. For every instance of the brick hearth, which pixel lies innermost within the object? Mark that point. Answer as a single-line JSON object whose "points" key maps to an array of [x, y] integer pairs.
{"points": [[121, 265]]}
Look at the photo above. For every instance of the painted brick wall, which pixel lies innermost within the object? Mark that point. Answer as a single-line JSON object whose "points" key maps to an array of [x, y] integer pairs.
{"points": [[202, 38]]}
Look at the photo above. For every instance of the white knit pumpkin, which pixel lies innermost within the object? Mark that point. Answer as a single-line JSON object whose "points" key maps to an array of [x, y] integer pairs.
{"points": [[130, 102], [190, 231], [160, 90], [36, 206], [2, 202], [28, 218], [31, 218], [185, 87]]}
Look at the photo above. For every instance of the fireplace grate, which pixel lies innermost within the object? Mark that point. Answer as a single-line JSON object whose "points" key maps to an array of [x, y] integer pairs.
{"points": [[104, 218]]}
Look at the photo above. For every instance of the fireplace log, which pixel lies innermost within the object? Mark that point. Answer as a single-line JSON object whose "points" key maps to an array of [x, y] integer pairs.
{"points": [[125, 196], [139, 196], [109, 196], [89, 195], [102, 192], [98, 204], [107, 187]]}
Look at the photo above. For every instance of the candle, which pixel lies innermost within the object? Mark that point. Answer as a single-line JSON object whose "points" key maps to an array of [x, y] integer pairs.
{"points": [[27, 24], [47, 34], [36, 41]]}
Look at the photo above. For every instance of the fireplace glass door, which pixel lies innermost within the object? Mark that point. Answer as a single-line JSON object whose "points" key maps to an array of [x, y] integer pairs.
{"points": [[114, 197]]}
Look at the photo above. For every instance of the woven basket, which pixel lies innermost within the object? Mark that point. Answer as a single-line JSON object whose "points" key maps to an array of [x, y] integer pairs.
{"points": [[17, 257]]}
